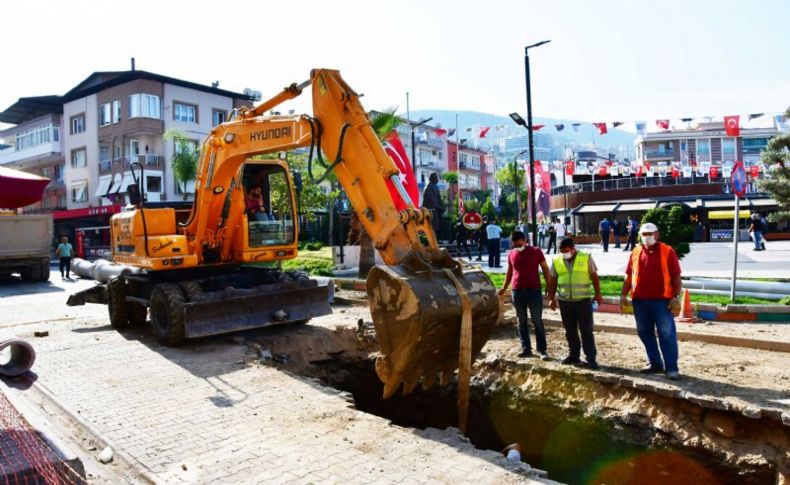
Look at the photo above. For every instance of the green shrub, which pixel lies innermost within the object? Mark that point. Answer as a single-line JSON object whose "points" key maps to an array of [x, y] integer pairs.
{"points": [[316, 267], [313, 246], [671, 228], [785, 300]]}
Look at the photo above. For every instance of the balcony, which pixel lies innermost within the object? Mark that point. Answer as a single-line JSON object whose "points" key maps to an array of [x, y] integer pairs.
{"points": [[432, 142], [148, 161], [43, 151], [659, 153], [428, 162], [469, 166]]}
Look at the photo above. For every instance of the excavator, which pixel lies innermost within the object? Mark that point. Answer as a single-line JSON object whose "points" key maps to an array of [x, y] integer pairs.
{"points": [[217, 271]]}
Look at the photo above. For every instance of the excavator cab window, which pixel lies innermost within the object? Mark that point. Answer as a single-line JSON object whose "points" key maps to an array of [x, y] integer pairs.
{"points": [[269, 210]]}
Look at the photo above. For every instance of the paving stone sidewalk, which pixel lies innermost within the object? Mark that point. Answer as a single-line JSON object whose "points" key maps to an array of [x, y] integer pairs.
{"points": [[203, 413]]}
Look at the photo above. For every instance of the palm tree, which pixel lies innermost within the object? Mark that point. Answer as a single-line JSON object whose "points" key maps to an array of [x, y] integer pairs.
{"points": [[185, 159], [383, 123]]}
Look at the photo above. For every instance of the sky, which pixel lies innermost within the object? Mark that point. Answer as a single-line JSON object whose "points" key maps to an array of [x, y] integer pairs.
{"points": [[607, 60]]}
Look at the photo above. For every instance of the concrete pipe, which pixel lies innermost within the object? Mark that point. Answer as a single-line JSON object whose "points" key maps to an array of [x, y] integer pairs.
{"points": [[752, 286], [82, 267], [21, 358], [100, 270]]}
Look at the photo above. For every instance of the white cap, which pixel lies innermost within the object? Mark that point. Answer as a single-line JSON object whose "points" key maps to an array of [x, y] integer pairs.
{"points": [[648, 227]]}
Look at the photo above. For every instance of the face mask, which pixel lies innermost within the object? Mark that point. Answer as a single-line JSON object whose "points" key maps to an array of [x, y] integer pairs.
{"points": [[568, 255], [649, 240], [519, 248]]}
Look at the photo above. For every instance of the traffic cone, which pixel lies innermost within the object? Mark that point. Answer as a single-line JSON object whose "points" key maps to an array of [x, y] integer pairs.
{"points": [[686, 311]]}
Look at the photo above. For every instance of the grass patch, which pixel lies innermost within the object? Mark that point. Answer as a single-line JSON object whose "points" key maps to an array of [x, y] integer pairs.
{"points": [[613, 285], [317, 262]]}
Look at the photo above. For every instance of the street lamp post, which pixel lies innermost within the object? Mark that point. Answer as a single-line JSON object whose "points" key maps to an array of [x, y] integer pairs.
{"points": [[528, 125]]}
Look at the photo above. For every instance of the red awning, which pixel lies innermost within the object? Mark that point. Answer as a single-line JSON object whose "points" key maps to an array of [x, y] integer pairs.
{"points": [[18, 189], [106, 210]]}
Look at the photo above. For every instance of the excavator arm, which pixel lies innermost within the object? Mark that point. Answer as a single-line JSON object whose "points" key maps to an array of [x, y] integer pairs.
{"points": [[430, 311]]}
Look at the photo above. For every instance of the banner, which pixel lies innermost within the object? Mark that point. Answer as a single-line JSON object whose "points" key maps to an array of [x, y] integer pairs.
{"points": [[542, 192], [394, 148]]}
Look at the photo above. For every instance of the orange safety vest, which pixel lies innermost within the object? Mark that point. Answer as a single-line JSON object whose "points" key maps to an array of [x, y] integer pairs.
{"points": [[664, 252]]}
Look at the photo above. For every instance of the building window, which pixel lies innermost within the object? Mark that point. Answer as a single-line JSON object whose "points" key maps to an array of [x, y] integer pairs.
{"points": [[728, 149], [185, 112], [104, 153], [58, 174], [105, 114], [36, 136], [703, 150], [79, 158], [79, 191], [153, 183], [753, 146], [78, 124], [144, 106], [218, 117], [116, 111]]}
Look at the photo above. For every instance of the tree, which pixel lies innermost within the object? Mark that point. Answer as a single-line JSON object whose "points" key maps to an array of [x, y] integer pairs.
{"points": [[776, 157], [313, 196], [452, 180], [512, 185], [671, 228], [185, 159], [488, 209]]}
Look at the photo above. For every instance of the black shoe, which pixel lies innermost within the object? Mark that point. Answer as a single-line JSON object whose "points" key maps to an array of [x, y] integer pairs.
{"points": [[525, 354], [651, 369], [673, 375], [593, 365], [570, 360]]}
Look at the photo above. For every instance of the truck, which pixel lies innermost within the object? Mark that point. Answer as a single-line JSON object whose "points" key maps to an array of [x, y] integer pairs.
{"points": [[25, 242]]}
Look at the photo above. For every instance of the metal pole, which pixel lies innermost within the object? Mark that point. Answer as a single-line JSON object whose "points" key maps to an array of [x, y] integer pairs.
{"points": [[533, 210], [735, 247]]}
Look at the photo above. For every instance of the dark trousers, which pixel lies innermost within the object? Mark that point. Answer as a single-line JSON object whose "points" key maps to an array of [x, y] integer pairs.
{"points": [[480, 246], [65, 263], [616, 240], [631, 242], [493, 252], [530, 299], [605, 240], [577, 318], [461, 243], [552, 243]]}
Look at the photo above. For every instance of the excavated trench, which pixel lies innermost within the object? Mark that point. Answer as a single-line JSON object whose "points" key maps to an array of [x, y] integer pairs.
{"points": [[578, 430]]}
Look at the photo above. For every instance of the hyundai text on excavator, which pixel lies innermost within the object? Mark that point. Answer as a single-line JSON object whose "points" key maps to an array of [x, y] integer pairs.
{"points": [[432, 314]]}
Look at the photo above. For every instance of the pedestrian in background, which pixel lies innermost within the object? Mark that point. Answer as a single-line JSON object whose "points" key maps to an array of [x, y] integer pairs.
{"points": [[603, 229], [461, 237], [480, 238], [559, 230], [494, 235], [542, 230], [653, 279], [551, 231], [432, 199], [523, 262], [616, 232], [633, 229], [574, 281], [764, 222], [756, 230], [64, 253]]}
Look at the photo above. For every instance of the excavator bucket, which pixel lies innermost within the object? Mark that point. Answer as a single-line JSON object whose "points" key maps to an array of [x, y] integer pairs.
{"points": [[417, 313]]}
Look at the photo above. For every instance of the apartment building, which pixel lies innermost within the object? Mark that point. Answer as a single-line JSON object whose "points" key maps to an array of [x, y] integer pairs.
{"points": [[473, 170], [429, 152], [35, 145]]}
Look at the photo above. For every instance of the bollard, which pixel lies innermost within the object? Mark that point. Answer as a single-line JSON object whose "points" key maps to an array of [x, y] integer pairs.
{"points": [[22, 357]]}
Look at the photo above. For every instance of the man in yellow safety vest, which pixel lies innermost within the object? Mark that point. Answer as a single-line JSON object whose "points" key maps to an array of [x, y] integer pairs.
{"points": [[575, 282]]}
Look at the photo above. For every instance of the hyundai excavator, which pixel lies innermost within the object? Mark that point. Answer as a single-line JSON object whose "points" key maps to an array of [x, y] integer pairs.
{"points": [[432, 314]]}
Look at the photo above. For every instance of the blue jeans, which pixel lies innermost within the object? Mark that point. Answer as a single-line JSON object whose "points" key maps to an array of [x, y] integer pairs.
{"points": [[651, 315], [758, 238], [532, 299]]}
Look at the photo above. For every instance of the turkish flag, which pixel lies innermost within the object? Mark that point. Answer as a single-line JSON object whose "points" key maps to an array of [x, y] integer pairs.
{"points": [[714, 172], [732, 125], [569, 168], [461, 208], [397, 153], [440, 131], [663, 124], [639, 171], [602, 171], [675, 172], [755, 171], [483, 131], [537, 127], [601, 128], [647, 165]]}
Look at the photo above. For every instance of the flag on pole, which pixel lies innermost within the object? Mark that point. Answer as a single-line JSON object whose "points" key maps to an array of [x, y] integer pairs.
{"points": [[576, 127], [731, 125], [394, 148], [641, 127], [559, 127], [440, 131], [686, 120], [451, 132], [537, 127], [780, 121], [483, 131], [662, 124], [755, 115], [615, 124], [601, 128]]}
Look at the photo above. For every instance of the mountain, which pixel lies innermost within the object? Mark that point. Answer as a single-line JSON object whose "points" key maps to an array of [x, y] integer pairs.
{"points": [[586, 135]]}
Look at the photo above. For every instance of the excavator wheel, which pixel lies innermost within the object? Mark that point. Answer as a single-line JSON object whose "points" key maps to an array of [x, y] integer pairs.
{"points": [[167, 314], [116, 303]]}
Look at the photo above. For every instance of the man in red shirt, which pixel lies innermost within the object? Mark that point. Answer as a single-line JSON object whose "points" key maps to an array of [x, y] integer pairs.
{"points": [[523, 262], [653, 279]]}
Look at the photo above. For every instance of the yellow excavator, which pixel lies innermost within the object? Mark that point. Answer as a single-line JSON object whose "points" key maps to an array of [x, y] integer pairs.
{"points": [[198, 277]]}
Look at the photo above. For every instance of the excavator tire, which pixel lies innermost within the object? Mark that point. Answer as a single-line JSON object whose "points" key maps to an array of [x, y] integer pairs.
{"points": [[167, 314], [116, 303]]}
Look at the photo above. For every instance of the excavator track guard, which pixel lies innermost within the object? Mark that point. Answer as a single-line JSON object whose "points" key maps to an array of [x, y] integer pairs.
{"points": [[417, 313]]}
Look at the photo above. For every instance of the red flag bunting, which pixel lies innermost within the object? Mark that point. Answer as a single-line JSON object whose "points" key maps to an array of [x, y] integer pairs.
{"points": [[732, 125], [663, 124], [569, 168], [461, 208], [675, 172], [394, 148], [755, 171], [714, 172], [537, 127], [483, 131], [601, 128], [602, 171], [440, 131], [639, 172]]}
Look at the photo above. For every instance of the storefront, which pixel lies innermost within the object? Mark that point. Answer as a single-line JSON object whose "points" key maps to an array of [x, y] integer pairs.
{"points": [[88, 229], [721, 225]]}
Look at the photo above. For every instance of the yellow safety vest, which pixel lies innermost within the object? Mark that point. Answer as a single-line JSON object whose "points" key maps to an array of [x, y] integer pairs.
{"points": [[576, 285]]}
